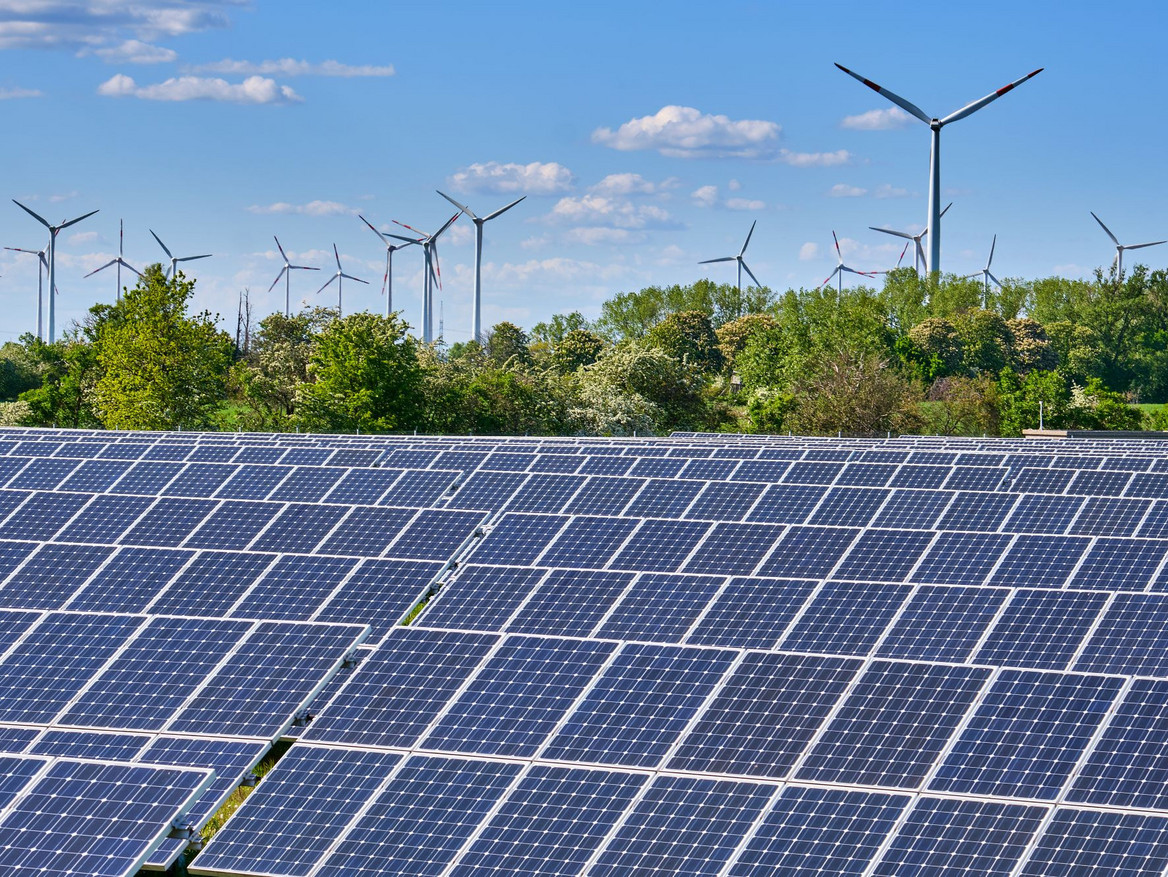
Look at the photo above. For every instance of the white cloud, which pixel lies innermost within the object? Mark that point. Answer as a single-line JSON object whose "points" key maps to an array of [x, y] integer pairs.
{"points": [[18, 93], [685, 132], [535, 243], [594, 235], [557, 269], [745, 204], [83, 237], [536, 178], [135, 52], [843, 190], [88, 25], [253, 90], [815, 159], [597, 210], [734, 185], [312, 208], [63, 196], [877, 120], [706, 196], [886, 190], [632, 184], [292, 67], [809, 252]]}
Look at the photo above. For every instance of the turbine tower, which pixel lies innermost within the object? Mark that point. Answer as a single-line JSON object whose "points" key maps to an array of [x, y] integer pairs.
{"points": [[432, 273], [173, 269], [476, 330], [935, 125], [119, 261], [53, 230], [339, 277], [741, 262], [42, 269], [841, 268], [1119, 248], [286, 273], [986, 276], [919, 252], [390, 249]]}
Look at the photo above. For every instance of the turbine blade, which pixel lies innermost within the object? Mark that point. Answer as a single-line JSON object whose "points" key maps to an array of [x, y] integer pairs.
{"points": [[283, 271], [910, 108], [833, 273], [302, 268], [837, 249], [994, 279], [327, 284], [102, 268], [990, 260], [723, 259], [23, 250], [902, 252], [1138, 246], [414, 230], [337, 256], [751, 273], [969, 109], [947, 206], [459, 205], [446, 225], [126, 264], [899, 234], [971, 276], [35, 216], [372, 228], [920, 252], [358, 279], [161, 244], [77, 220], [1114, 240], [281, 249], [748, 235], [398, 237], [500, 211], [192, 258]]}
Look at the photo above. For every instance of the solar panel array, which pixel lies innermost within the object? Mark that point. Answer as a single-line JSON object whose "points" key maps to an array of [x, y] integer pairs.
{"points": [[700, 654]]}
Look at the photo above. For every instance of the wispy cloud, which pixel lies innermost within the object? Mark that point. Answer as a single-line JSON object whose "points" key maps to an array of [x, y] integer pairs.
{"points": [[598, 210], [535, 178], [809, 252], [685, 132], [253, 90], [815, 159], [744, 204], [135, 52], [19, 93], [633, 184], [293, 67], [87, 25], [708, 196], [312, 208], [705, 196], [843, 190], [877, 120]]}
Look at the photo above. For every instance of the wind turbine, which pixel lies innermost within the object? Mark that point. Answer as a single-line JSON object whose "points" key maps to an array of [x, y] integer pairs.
{"points": [[173, 269], [286, 273], [919, 252], [1119, 248], [432, 273], [741, 262], [841, 268], [390, 249], [53, 230], [986, 276], [119, 261], [935, 125], [339, 277], [42, 269], [476, 330]]}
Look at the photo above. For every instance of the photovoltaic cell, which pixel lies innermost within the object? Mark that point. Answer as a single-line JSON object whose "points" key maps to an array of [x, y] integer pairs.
{"points": [[306, 483], [299, 527], [604, 496], [1110, 516], [660, 607], [1041, 513], [363, 486], [104, 519], [436, 534], [912, 509], [942, 624], [1093, 844], [588, 543], [212, 583], [294, 587], [570, 602], [200, 479], [366, 532], [846, 618], [130, 581], [661, 498], [518, 539], [545, 493], [42, 515], [95, 476], [52, 575], [147, 478], [89, 744], [42, 474], [481, 598], [1041, 629], [977, 511], [1040, 561], [419, 489], [168, 522], [884, 555], [808, 552], [725, 501], [233, 525], [1131, 638], [658, 546]]}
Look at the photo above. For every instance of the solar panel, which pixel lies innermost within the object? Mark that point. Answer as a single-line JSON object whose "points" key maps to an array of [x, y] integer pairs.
{"points": [[52, 575], [212, 583], [95, 476], [808, 552], [587, 543], [518, 539], [1041, 629], [435, 534], [104, 519], [168, 522], [660, 607], [299, 527], [942, 623], [1040, 561], [90, 745], [200, 479], [845, 618], [42, 515], [568, 602], [233, 524], [1090, 842], [655, 546], [130, 580]]}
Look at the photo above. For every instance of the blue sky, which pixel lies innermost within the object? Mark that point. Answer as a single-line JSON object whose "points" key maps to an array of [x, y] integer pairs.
{"points": [[647, 137]]}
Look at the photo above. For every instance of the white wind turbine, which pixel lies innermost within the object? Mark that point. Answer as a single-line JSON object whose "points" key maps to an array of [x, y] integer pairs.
{"points": [[476, 331], [173, 269], [741, 262], [935, 125], [42, 269], [985, 274], [1119, 248], [286, 273], [841, 268], [390, 249], [432, 273], [339, 277], [119, 261], [919, 252], [53, 230]]}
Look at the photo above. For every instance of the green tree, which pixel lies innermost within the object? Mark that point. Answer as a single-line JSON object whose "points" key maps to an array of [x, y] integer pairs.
{"points": [[67, 371], [18, 370], [630, 315], [1030, 348], [364, 376], [638, 370], [160, 368], [554, 331], [576, 349], [733, 336], [689, 337], [985, 341], [277, 364], [506, 341], [940, 343]]}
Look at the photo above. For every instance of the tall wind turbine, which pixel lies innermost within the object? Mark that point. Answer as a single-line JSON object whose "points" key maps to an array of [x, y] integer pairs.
{"points": [[119, 261], [986, 276], [935, 125], [42, 269], [173, 269], [841, 268], [432, 274], [390, 249], [1119, 248], [476, 330], [741, 262], [286, 273], [339, 277], [53, 230], [919, 252]]}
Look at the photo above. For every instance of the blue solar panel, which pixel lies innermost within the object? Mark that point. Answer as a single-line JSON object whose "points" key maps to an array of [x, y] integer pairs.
{"points": [[977, 511], [252, 482], [294, 587], [1120, 564], [845, 618], [812, 473], [1090, 843], [16, 740], [1032, 479], [884, 555], [604, 496], [90, 744], [130, 580], [10, 499], [961, 558], [258, 455], [1041, 629], [481, 597], [488, 491], [658, 546], [733, 549], [435, 534], [660, 607], [147, 478], [52, 575], [709, 470], [518, 539], [95, 476], [299, 527], [570, 602], [12, 554], [42, 515], [866, 474], [587, 543], [363, 486], [725, 501], [975, 478], [1040, 561], [660, 498], [545, 493], [234, 524], [1040, 513], [1100, 483], [419, 488], [942, 624], [212, 583], [639, 705], [366, 532], [104, 519], [42, 474], [927, 477], [168, 522], [649, 467], [751, 613], [763, 471], [379, 593], [306, 483], [200, 479], [848, 506], [1110, 516], [808, 552], [912, 509]]}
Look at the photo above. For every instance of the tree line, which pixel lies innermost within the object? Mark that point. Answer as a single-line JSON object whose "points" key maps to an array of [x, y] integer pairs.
{"points": [[917, 354]]}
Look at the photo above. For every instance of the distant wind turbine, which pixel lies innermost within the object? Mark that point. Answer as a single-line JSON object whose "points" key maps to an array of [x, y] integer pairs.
{"points": [[286, 273], [919, 252], [841, 268], [53, 230], [985, 274], [119, 261], [173, 269], [935, 125], [339, 277], [42, 270], [1119, 248], [390, 249], [741, 262], [476, 330], [432, 273]]}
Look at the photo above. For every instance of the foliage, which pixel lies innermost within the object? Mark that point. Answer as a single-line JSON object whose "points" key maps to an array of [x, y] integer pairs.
{"points": [[630, 315], [18, 370], [769, 410], [555, 330], [732, 336], [961, 405], [854, 391], [67, 371], [639, 370], [576, 349], [940, 344], [689, 337], [507, 341], [985, 341]]}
